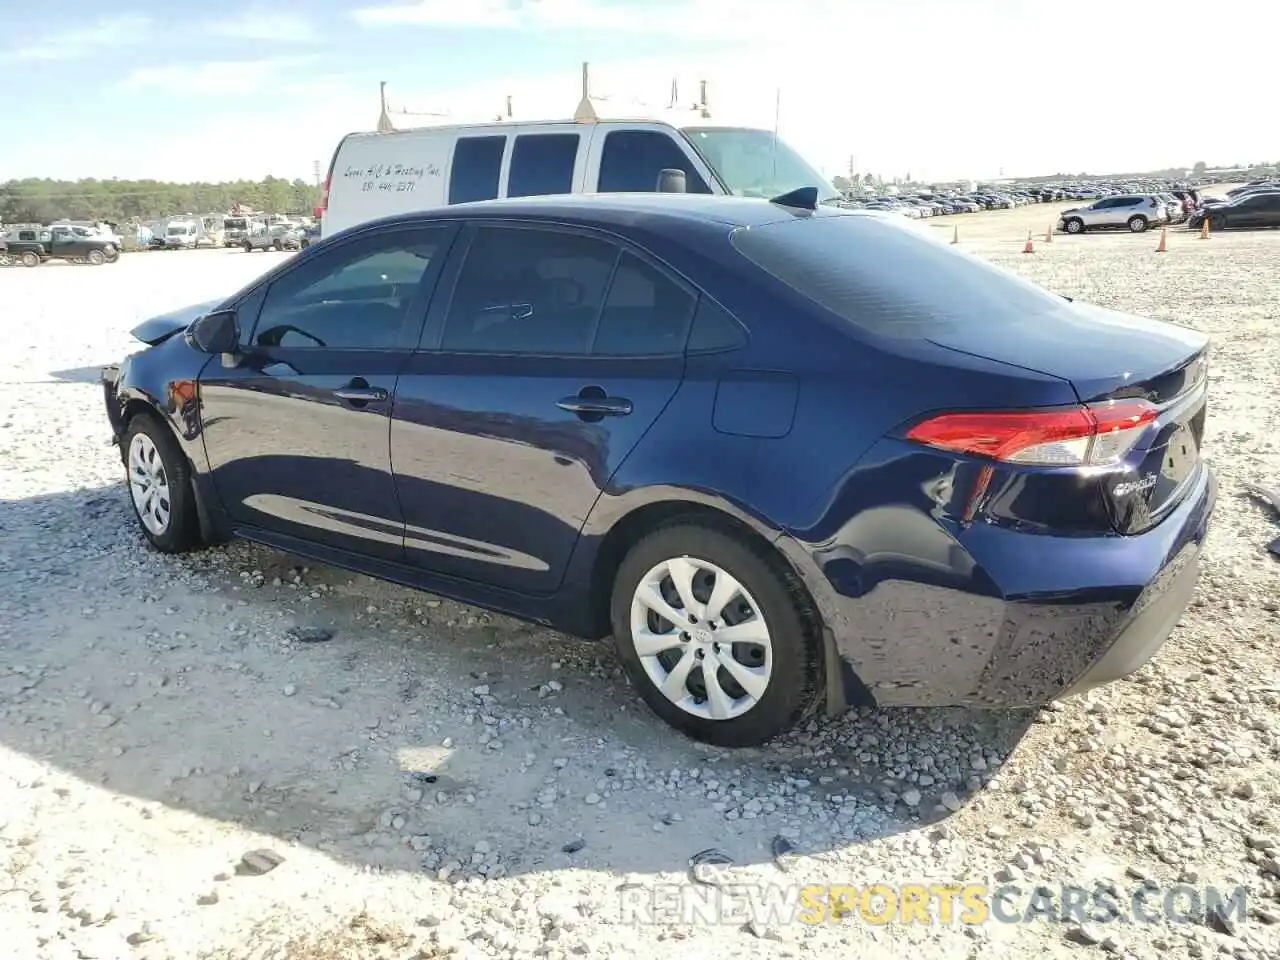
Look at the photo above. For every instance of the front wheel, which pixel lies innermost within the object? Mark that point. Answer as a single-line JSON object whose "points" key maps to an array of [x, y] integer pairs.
{"points": [[1138, 224], [277, 246], [716, 635], [159, 478], [1075, 225], [97, 257]]}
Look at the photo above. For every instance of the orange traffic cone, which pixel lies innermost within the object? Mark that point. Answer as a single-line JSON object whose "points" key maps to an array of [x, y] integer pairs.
{"points": [[1204, 229], [1048, 234], [1163, 240], [1030, 247], [955, 236]]}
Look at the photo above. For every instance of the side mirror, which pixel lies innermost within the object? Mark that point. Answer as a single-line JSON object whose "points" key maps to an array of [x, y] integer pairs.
{"points": [[671, 180], [216, 333]]}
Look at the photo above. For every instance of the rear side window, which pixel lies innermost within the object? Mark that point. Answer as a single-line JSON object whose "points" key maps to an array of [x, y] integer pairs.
{"points": [[632, 159], [714, 329], [542, 164], [477, 165], [645, 313], [889, 278]]}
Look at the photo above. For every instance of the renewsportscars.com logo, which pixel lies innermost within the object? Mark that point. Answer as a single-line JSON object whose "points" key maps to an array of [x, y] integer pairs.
{"points": [[933, 904]]}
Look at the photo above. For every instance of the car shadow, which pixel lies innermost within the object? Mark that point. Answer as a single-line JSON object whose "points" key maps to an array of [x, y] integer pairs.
{"points": [[389, 728], [77, 375]]}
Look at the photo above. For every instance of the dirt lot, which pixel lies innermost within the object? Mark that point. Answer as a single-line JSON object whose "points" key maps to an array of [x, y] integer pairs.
{"points": [[439, 781]]}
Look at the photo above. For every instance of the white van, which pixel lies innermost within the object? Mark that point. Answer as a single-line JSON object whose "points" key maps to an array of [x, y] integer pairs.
{"points": [[375, 175]]}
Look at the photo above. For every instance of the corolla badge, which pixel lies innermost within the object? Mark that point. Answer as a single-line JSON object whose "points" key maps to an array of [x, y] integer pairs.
{"points": [[1135, 486]]}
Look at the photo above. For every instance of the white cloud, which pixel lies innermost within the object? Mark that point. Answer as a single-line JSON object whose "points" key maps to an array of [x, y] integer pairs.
{"points": [[216, 77], [266, 24], [104, 34], [714, 20]]}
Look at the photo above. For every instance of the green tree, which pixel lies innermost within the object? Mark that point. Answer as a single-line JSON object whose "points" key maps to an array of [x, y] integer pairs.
{"points": [[41, 201], [1199, 168]]}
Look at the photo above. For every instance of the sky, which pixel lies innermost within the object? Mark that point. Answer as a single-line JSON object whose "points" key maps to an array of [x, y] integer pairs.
{"points": [[932, 88]]}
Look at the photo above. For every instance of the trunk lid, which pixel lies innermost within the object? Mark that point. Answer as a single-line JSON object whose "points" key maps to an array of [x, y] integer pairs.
{"points": [[1107, 355]]}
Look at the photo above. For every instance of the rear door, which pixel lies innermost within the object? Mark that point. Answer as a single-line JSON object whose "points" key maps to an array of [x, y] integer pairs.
{"points": [[556, 352]]}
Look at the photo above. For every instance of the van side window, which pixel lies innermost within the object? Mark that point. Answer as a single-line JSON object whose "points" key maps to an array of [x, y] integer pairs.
{"points": [[542, 163], [632, 159], [477, 165]]}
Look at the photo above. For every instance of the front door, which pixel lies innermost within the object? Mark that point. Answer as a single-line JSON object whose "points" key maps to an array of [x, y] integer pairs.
{"points": [[297, 434], [555, 354]]}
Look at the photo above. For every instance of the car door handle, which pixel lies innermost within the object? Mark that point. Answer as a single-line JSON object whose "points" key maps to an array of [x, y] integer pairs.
{"points": [[357, 393], [598, 406]]}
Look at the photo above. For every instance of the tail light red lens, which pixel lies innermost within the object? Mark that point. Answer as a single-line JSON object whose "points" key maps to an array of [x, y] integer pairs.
{"points": [[324, 198], [1081, 436]]}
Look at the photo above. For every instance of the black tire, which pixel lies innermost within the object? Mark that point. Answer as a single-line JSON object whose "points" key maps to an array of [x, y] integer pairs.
{"points": [[1073, 225], [30, 259], [1138, 224], [183, 531], [248, 247], [277, 246], [795, 684], [112, 253], [97, 258]]}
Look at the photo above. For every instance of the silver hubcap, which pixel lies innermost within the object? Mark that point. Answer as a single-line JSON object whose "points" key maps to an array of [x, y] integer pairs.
{"points": [[149, 484], [701, 638]]}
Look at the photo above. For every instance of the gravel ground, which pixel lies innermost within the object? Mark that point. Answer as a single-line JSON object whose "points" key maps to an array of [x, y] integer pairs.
{"points": [[190, 768]]}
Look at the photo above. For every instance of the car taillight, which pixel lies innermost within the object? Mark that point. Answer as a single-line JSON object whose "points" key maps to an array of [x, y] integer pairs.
{"points": [[1082, 436]]}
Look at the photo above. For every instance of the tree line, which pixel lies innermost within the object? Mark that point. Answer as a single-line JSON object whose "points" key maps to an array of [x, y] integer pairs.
{"points": [[43, 201]]}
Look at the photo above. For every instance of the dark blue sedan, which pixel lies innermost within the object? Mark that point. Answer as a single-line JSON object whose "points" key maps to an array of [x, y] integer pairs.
{"points": [[790, 458]]}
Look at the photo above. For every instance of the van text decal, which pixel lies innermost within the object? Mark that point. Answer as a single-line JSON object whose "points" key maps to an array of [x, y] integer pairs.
{"points": [[389, 177]]}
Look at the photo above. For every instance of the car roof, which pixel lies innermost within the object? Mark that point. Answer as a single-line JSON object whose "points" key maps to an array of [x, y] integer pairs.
{"points": [[621, 210]]}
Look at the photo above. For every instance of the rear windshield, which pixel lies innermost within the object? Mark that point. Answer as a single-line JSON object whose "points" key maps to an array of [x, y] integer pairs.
{"points": [[887, 276]]}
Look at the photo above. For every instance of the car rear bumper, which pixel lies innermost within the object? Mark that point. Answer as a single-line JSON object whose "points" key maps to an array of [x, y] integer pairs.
{"points": [[996, 618]]}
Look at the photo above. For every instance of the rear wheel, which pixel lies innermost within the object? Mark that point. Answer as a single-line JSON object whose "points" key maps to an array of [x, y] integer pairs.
{"points": [[160, 485], [248, 247], [1138, 224], [30, 259], [277, 246], [716, 635], [97, 257]]}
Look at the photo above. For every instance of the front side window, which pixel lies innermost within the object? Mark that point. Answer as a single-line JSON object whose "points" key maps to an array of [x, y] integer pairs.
{"points": [[756, 163], [355, 297], [632, 160]]}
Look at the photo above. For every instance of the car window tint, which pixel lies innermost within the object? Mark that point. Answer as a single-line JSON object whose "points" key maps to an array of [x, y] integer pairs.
{"points": [[645, 312], [890, 277], [476, 168], [528, 291], [632, 159], [542, 164], [714, 329], [355, 297]]}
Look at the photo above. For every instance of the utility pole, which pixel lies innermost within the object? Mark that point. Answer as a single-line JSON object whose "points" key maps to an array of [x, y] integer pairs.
{"points": [[315, 170]]}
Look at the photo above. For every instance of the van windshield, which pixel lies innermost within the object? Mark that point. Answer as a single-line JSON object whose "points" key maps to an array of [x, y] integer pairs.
{"points": [[756, 163]]}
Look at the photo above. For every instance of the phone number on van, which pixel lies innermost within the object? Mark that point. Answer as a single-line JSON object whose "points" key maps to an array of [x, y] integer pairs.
{"points": [[389, 186]]}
